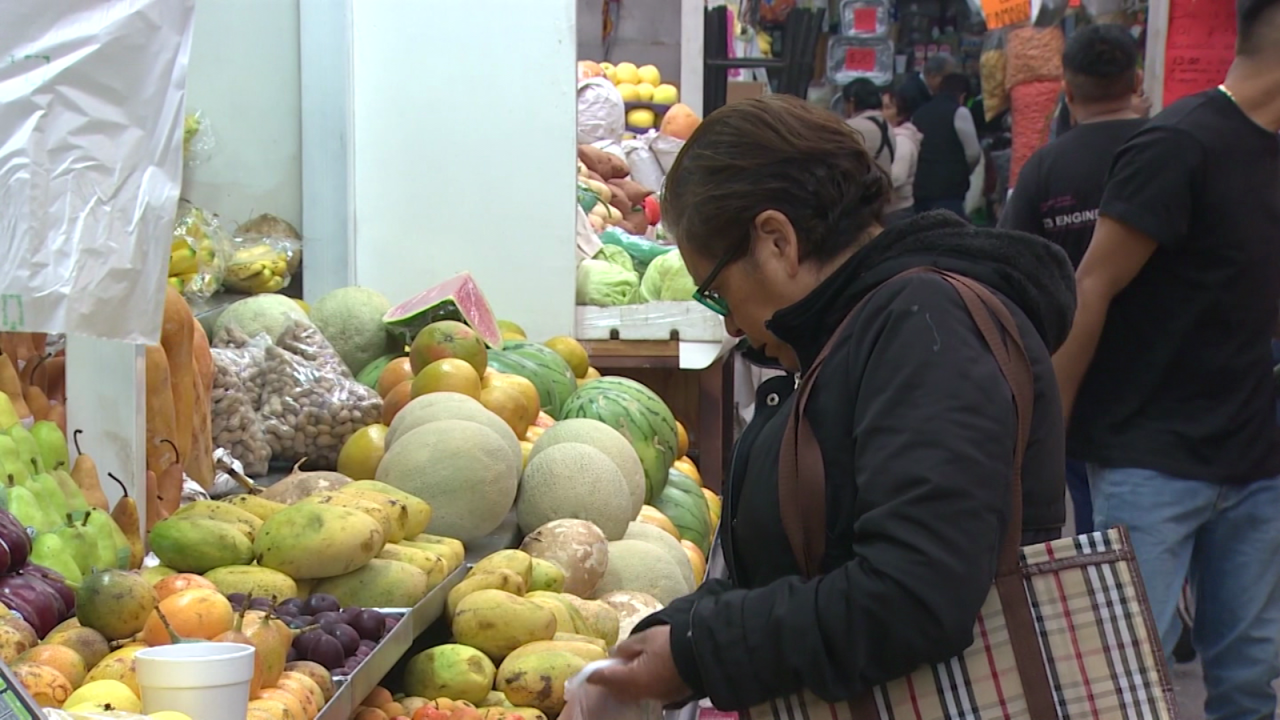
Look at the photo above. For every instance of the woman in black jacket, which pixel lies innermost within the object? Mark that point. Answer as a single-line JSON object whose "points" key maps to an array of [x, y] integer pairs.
{"points": [[776, 205]]}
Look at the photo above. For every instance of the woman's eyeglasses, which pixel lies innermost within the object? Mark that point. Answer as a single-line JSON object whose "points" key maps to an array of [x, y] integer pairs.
{"points": [[710, 299]]}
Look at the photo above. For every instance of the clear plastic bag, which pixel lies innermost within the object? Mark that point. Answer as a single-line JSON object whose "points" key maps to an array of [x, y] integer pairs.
{"points": [[308, 412], [306, 341], [642, 250], [197, 254], [584, 701], [260, 264], [236, 389], [198, 140]]}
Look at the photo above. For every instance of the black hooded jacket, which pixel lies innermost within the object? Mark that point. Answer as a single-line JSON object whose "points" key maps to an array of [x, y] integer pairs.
{"points": [[917, 428]]}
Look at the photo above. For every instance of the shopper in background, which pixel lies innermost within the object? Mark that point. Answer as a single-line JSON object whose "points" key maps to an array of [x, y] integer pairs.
{"points": [[775, 206], [898, 108], [1169, 366], [921, 87], [1060, 186], [949, 150], [863, 105]]}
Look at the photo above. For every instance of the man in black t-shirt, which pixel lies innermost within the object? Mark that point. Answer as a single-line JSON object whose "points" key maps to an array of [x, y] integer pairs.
{"points": [[1060, 186], [1167, 374]]}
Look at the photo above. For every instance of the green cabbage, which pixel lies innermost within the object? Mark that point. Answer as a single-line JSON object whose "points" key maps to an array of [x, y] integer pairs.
{"points": [[667, 279], [600, 282], [616, 256]]}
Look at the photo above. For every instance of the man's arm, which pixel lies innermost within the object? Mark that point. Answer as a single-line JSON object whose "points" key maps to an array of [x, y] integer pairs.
{"points": [[968, 136], [1115, 256], [1147, 204]]}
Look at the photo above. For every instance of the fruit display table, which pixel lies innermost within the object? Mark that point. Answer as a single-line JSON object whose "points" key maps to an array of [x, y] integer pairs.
{"points": [[705, 394]]}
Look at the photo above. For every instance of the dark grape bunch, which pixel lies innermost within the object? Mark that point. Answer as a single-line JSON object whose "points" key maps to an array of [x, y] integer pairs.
{"points": [[337, 638]]}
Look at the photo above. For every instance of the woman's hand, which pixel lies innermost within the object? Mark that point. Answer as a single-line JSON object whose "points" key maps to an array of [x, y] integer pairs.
{"points": [[649, 673]]}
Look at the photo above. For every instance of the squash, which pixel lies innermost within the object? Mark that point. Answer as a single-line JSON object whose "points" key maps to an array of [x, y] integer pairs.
{"points": [[176, 337], [161, 424], [199, 461]]}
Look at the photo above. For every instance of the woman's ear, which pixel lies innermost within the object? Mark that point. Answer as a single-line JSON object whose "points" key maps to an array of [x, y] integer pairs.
{"points": [[774, 242]]}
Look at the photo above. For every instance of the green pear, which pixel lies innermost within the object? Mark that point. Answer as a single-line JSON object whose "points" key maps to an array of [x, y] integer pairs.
{"points": [[28, 448], [47, 549], [26, 508], [52, 444], [12, 462], [46, 490], [104, 527], [76, 502], [81, 545], [8, 416]]}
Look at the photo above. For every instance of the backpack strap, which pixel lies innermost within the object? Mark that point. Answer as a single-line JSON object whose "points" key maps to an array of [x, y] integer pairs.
{"points": [[886, 137]]}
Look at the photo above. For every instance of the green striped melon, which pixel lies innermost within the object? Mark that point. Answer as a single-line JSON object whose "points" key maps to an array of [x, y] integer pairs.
{"points": [[540, 365], [640, 415], [684, 504]]}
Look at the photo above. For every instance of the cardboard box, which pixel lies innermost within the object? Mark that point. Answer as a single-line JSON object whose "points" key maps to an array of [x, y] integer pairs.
{"points": [[744, 90]]}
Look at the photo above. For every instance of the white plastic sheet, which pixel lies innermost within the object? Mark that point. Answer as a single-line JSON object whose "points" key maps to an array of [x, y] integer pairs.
{"points": [[91, 110]]}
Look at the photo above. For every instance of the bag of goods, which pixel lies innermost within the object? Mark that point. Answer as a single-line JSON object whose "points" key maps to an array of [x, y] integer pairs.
{"points": [[197, 253], [1033, 54], [991, 67], [259, 264], [601, 113], [306, 341], [1034, 105], [236, 428], [308, 412]]}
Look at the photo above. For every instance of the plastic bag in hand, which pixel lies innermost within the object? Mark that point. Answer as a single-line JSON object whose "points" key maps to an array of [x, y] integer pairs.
{"points": [[592, 702]]}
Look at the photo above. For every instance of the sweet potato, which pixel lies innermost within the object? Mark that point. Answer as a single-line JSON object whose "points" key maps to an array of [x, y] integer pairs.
{"points": [[161, 424], [176, 337], [635, 192], [637, 219], [615, 168], [596, 161]]}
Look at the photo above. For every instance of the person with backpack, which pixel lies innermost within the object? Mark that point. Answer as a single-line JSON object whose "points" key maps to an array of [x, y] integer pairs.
{"points": [[864, 108], [898, 108]]}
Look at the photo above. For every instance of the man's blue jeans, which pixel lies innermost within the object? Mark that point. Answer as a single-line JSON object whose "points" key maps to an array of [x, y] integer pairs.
{"points": [[1226, 538]]}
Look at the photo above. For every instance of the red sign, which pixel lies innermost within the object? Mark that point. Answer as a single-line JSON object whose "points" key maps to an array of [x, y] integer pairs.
{"points": [[1200, 48], [865, 20], [859, 59]]}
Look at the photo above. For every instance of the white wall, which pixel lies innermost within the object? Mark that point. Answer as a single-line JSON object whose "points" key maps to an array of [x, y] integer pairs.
{"points": [[647, 32], [244, 78]]}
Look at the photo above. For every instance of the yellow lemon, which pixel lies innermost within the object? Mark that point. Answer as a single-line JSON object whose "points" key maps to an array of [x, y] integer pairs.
{"points": [[103, 693]]}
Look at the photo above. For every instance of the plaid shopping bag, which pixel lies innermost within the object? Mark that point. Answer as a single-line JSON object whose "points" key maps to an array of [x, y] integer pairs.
{"points": [[1066, 632]]}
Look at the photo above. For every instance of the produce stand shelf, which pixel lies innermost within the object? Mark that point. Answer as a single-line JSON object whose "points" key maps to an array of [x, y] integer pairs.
{"points": [[355, 688]]}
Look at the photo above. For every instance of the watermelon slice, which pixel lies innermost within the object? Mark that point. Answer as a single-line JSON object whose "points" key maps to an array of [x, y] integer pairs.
{"points": [[458, 298]]}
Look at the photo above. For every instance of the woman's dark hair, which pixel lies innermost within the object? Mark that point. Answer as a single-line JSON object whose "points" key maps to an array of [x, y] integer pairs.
{"points": [[863, 94], [906, 100], [773, 153]]}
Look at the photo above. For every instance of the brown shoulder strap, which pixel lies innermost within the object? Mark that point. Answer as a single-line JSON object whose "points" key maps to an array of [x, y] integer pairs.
{"points": [[802, 482]]}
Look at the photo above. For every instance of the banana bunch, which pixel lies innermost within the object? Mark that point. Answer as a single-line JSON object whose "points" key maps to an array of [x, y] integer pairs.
{"points": [[195, 265], [258, 268]]}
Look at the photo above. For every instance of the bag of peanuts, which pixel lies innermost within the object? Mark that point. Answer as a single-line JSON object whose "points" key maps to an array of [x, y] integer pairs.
{"points": [[1033, 54], [306, 341], [236, 428], [309, 411]]}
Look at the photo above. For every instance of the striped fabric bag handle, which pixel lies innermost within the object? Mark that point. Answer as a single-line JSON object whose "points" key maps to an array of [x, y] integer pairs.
{"points": [[802, 484]]}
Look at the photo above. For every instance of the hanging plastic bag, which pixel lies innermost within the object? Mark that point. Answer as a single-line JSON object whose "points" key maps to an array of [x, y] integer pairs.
{"points": [[592, 702]]}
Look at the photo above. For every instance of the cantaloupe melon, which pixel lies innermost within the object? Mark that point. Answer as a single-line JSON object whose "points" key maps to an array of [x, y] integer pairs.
{"points": [[414, 416], [654, 536], [351, 320], [462, 469], [605, 439], [572, 480], [419, 404], [639, 566], [267, 313]]}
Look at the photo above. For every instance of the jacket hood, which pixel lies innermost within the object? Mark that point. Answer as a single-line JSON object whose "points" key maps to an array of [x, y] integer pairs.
{"points": [[909, 131], [1029, 271]]}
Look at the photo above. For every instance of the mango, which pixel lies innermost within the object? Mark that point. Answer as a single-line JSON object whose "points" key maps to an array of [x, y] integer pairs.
{"points": [[430, 563], [452, 558], [258, 507], [419, 510], [546, 576], [602, 620], [441, 540], [564, 622], [119, 665], [197, 545], [115, 603], [315, 540], [248, 523], [395, 507], [517, 561], [574, 637], [373, 510], [496, 622], [49, 688], [503, 580], [495, 699], [378, 584], [450, 671], [571, 620], [157, 573], [253, 580], [586, 651], [537, 680]]}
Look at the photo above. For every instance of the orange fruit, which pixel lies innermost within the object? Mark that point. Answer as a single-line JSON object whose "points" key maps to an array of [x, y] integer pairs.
{"points": [[686, 466], [696, 559], [682, 440], [508, 405], [448, 339], [447, 375], [193, 614], [182, 581], [572, 352], [523, 386], [651, 515], [396, 372], [395, 400]]}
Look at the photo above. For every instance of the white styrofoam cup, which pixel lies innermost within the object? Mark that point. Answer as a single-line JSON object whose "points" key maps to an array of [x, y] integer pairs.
{"points": [[208, 681]]}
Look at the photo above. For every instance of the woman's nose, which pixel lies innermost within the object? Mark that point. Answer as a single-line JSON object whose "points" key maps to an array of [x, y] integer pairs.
{"points": [[732, 328]]}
